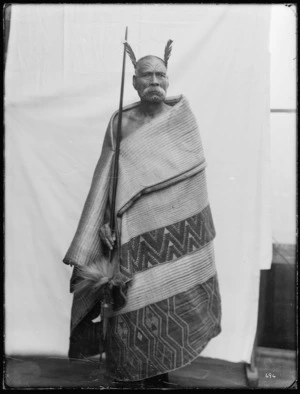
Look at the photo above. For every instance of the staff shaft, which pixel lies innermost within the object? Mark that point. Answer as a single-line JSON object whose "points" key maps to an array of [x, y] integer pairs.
{"points": [[117, 147]]}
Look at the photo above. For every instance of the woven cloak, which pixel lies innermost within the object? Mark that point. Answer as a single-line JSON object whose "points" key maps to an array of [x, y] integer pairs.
{"points": [[166, 231]]}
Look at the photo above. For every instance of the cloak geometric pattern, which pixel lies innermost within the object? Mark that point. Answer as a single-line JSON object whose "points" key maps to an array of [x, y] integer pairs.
{"points": [[167, 243], [166, 335]]}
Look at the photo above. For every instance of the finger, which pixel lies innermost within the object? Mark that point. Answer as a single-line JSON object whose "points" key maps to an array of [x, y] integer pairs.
{"points": [[109, 244], [112, 239], [107, 234]]}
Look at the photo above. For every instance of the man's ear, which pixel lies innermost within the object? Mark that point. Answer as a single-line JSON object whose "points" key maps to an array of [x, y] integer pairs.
{"points": [[134, 82]]}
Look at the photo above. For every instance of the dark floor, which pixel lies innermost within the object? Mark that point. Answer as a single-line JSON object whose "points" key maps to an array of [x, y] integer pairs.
{"points": [[276, 368]]}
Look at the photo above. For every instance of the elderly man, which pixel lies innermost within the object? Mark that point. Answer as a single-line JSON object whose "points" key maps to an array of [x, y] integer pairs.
{"points": [[164, 239]]}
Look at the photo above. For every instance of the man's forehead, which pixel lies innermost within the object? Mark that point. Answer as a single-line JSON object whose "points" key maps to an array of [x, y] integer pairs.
{"points": [[151, 62]]}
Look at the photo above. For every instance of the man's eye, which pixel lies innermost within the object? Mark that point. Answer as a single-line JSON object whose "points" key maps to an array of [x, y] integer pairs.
{"points": [[149, 75]]}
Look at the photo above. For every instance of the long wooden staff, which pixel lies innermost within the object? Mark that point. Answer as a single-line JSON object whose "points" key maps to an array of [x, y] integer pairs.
{"points": [[107, 297], [117, 150]]}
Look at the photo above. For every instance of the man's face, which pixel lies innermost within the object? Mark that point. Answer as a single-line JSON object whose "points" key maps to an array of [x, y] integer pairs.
{"points": [[151, 81]]}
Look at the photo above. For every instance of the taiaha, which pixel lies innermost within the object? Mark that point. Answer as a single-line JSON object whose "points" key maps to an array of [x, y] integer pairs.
{"points": [[103, 276], [107, 301], [106, 304], [117, 148]]}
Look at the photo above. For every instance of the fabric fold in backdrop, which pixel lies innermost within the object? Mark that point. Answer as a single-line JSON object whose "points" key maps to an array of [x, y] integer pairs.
{"points": [[166, 231]]}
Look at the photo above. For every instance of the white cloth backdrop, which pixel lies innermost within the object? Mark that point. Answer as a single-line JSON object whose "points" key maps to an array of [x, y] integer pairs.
{"points": [[62, 84]]}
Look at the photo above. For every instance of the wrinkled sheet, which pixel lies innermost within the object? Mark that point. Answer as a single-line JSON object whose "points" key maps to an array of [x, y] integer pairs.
{"points": [[63, 76]]}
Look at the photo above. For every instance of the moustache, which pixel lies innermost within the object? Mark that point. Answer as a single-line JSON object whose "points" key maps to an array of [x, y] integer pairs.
{"points": [[154, 90]]}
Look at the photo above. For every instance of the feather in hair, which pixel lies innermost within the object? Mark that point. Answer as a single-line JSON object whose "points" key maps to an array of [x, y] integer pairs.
{"points": [[130, 53], [168, 50]]}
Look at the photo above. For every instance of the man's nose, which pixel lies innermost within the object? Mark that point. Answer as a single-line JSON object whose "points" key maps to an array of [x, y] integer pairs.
{"points": [[154, 80]]}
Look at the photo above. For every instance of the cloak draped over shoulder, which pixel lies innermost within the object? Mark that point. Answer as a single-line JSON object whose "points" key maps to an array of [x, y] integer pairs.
{"points": [[153, 157], [165, 232]]}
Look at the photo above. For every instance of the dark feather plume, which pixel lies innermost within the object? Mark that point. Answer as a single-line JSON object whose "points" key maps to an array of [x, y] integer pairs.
{"points": [[130, 53], [168, 50]]}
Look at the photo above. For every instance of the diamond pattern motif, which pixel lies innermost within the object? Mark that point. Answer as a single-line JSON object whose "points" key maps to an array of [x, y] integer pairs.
{"points": [[166, 335], [122, 331], [152, 322]]}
